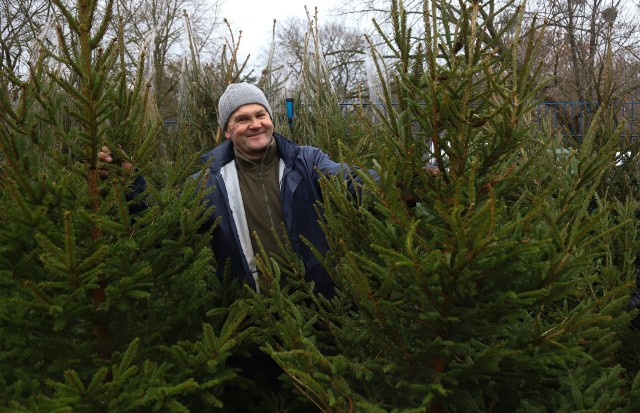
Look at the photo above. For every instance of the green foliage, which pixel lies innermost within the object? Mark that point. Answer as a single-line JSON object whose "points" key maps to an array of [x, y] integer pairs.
{"points": [[105, 285], [498, 284]]}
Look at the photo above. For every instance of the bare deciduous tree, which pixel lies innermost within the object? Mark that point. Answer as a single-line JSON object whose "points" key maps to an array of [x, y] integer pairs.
{"points": [[20, 24], [342, 48], [591, 48], [167, 30]]}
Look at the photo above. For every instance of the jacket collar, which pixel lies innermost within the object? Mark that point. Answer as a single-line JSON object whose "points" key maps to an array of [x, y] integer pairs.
{"points": [[287, 150]]}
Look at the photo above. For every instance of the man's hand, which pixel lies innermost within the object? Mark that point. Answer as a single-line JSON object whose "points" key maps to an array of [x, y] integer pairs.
{"points": [[433, 170], [107, 157]]}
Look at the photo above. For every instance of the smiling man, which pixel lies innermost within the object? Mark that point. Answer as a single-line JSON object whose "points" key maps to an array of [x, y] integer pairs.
{"points": [[263, 187]]}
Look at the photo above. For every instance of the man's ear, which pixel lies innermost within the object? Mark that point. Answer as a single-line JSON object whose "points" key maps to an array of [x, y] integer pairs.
{"points": [[227, 134]]}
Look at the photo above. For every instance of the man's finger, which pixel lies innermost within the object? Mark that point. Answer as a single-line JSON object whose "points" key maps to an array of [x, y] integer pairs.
{"points": [[105, 155]]}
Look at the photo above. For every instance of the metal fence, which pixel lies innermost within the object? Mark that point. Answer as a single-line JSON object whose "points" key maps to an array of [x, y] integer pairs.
{"points": [[574, 118]]}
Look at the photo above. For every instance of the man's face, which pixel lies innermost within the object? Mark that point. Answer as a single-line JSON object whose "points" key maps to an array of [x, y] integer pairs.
{"points": [[250, 129]]}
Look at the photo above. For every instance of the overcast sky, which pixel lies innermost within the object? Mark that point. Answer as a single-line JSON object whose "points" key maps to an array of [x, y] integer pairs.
{"points": [[255, 18]]}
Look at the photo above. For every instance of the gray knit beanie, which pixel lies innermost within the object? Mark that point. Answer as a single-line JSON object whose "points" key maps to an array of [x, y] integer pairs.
{"points": [[236, 95]]}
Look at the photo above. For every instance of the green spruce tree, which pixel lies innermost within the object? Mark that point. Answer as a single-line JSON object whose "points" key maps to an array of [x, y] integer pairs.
{"points": [[483, 287], [107, 296]]}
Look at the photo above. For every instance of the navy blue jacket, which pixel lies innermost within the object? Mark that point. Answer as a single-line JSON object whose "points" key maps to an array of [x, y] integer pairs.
{"points": [[299, 192], [634, 301]]}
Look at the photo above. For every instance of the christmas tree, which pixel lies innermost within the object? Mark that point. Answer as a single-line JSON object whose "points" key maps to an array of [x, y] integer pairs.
{"points": [[492, 285], [107, 300]]}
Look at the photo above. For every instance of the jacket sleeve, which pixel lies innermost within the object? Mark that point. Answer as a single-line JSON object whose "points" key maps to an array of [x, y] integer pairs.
{"points": [[326, 166], [134, 196], [634, 300]]}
